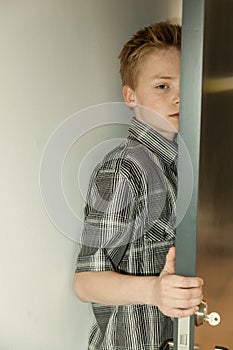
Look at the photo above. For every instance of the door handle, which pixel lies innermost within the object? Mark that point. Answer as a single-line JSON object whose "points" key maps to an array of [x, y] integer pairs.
{"points": [[201, 316], [169, 345]]}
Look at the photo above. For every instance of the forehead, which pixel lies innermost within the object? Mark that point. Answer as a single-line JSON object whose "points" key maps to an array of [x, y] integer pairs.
{"points": [[164, 62]]}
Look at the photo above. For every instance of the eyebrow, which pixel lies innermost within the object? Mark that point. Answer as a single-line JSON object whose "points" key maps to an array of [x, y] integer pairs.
{"points": [[161, 77]]}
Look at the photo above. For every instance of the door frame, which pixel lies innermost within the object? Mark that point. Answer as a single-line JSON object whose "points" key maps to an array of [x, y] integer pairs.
{"points": [[190, 131]]}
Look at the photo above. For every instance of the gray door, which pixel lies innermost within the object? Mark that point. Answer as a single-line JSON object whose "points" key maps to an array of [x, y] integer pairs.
{"points": [[205, 236], [215, 223]]}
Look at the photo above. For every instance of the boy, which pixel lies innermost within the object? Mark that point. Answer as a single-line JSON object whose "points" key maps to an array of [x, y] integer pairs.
{"points": [[127, 268]]}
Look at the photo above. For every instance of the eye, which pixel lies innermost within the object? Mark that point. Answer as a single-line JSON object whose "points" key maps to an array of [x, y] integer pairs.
{"points": [[162, 86]]}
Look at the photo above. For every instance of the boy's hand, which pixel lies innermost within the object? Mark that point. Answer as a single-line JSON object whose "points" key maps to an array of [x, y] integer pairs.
{"points": [[177, 296]]}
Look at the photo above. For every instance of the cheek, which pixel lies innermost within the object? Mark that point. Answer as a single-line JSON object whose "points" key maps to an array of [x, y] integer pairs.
{"points": [[161, 101], [156, 102]]}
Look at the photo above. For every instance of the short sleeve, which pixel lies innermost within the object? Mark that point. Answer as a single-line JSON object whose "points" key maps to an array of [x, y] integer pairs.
{"points": [[109, 218]]}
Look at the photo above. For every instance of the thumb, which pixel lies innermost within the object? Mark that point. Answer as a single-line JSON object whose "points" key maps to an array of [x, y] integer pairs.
{"points": [[169, 267]]}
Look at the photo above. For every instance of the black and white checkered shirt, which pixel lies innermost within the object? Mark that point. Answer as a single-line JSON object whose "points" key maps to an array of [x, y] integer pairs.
{"points": [[128, 228]]}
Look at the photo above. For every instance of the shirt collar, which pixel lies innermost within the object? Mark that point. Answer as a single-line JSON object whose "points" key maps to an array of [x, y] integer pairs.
{"points": [[163, 148]]}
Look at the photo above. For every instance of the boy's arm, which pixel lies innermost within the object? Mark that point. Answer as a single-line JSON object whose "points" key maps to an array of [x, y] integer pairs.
{"points": [[111, 288], [176, 296]]}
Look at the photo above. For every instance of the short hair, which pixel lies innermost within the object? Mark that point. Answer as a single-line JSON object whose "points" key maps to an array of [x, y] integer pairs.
{"points": [[161, 35]]}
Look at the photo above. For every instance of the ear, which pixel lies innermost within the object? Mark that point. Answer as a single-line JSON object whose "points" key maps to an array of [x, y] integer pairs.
{"points": [[129, 96]]}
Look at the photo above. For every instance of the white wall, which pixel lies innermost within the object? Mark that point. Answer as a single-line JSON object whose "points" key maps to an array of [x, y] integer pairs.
{"points": [[57, 57]]}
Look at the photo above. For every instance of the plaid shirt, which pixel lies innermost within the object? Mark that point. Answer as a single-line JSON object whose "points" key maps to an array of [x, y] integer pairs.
{"points": [[128, 228]]}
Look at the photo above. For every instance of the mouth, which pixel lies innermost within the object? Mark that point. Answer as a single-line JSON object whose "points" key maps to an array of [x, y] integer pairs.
{"points": [[175, 115]]}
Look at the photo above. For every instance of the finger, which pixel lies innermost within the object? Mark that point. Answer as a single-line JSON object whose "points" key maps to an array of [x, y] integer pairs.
{"points": [[176, 299], [170, 261], [184, 304], [178, 281], [186, 294], [180, 313]]}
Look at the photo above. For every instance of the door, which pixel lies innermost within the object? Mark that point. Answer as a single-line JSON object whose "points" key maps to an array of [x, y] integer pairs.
{"points": [[215, 223], [205, 236]]}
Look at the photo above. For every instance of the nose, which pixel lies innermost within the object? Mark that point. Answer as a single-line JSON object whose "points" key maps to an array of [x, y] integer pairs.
{"points": [[176, 97]]}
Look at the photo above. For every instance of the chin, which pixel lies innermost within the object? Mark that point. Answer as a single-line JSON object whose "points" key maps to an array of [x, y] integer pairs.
{"points": [[175, 124]]}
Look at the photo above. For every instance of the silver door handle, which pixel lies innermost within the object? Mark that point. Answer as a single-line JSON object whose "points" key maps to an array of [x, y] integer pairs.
{"points": [[169, 345], [201, 316]]}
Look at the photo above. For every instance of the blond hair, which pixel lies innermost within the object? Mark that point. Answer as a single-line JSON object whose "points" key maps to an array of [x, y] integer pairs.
{"points": [[156, 36]]}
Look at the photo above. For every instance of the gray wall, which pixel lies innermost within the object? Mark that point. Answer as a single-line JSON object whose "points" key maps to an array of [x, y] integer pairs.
{"points": [[57, 57]]}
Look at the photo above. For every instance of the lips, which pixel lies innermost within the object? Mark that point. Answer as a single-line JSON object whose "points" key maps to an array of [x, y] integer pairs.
{"points": [[175, 115]]}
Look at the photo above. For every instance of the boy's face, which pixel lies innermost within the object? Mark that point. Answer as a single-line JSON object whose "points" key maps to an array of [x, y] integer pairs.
{"points": [[158, 89]]}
